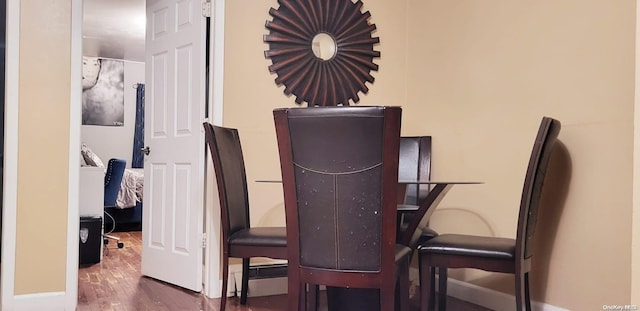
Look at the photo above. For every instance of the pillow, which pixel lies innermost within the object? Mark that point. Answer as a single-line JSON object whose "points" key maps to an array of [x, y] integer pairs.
{"points": [[90, 157]]}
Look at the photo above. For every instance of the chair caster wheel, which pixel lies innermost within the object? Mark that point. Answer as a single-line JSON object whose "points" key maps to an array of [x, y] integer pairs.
{"points": [[120, 245]]}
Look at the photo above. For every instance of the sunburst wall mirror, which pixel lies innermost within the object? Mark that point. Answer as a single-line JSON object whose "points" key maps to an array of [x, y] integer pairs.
{"points": [[322, 51]]}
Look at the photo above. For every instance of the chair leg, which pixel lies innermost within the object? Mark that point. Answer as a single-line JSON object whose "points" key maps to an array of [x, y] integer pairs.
{"points": [[403, 286], [432, 292], [388, 297], [312, 297], [303, 297], [245, 281], [527, 297], [442, 295], [225, 280], [522, 292], [427, 282], [293, 290]]}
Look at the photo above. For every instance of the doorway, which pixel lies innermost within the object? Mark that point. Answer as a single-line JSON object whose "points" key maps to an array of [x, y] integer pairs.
{"points": [[113, 51], [156, 224]]}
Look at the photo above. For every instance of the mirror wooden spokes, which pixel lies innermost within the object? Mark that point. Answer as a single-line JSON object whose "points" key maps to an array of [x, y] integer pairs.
{"points": [[322, 50]]}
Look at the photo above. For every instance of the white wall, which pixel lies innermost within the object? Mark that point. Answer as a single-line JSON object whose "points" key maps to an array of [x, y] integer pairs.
{"points": [[117, 141]]}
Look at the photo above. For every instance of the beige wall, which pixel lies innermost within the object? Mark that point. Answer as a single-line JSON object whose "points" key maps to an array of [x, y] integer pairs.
{"points": [[250, 93], [484, 75], [42, 162], [478, 77]]}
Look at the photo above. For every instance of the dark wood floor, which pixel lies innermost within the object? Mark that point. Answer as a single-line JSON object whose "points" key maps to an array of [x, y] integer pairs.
{"points": [[117, 284]]}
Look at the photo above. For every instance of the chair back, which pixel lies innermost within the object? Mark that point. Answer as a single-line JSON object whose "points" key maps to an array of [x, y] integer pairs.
{"points": [[228, 163], [415, 164], [112, 180], [340, 171], [532, 190]]}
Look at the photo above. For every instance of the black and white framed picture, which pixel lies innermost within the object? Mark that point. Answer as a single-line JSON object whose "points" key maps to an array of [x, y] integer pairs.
{"points": [[102, 92]]}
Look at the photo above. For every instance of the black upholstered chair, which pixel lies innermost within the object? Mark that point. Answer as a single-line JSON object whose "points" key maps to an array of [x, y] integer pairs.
{"points": [[239, 239], [340, 172], [493, 253], [414, 164]]}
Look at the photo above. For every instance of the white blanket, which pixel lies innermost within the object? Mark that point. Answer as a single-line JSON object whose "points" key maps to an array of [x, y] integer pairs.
{"points": [[131, 188]]}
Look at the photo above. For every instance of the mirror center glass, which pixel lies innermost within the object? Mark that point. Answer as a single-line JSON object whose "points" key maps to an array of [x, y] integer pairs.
{"points": [[323, 46]]}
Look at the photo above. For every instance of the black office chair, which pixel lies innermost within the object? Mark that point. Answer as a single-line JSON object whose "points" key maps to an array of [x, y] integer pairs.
{"points": [[340, 177], [493, 253], [112, 181]]}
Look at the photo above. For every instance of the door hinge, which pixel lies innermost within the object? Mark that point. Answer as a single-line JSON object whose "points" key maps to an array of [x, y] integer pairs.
{"points": [[206, 8], [203, 239]]}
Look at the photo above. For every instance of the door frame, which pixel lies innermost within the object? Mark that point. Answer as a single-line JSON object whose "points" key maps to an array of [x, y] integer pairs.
{"points": [[68, 299], [211, 274], [10, 184]]}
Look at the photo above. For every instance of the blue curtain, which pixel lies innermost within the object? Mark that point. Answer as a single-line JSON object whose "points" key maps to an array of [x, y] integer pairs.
{"points": [[138, 134]]}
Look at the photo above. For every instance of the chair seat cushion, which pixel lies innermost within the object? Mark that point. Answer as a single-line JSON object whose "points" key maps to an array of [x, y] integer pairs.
{"points": [[260, 236], [402, 251], [468, 245], [427, 234]]}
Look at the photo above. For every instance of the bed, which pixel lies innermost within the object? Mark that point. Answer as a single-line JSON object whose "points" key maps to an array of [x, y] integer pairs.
{"points": [[131, 188], [127, 214]]}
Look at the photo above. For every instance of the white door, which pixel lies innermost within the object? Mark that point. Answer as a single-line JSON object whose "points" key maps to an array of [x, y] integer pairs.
{"points": [[174, 168]]}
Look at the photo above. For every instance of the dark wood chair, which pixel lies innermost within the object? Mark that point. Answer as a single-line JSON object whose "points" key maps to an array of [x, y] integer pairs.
{"points": [[239, 239], [340, 172], [493, 253], [414, 164]]}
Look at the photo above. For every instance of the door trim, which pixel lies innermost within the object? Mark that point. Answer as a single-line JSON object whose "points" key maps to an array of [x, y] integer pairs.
{"points": [[211, 278], [67, 299], [75, 121], [10, 186]]}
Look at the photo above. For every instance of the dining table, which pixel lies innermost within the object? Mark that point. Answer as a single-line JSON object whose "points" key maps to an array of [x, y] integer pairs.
{"points": [[343, 299], [339, 299], [422, 212]]}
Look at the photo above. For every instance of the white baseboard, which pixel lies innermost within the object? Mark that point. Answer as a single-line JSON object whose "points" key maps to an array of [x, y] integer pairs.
{"points": [[267, 287], [41, 301], [485, 297], [475, 294], [258, 287]]}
